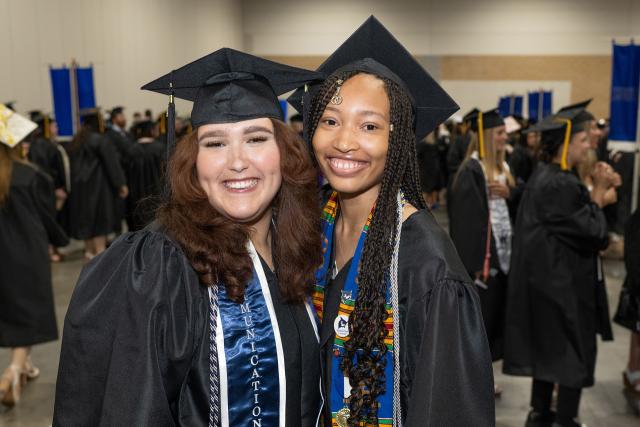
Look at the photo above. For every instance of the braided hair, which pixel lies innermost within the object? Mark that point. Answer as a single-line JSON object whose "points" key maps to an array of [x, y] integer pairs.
{"points": [[365, 359]]}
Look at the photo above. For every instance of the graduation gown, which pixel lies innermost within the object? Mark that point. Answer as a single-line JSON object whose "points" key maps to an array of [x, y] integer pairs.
{"points": [[145, 171], [47, 157], [27, 226], [135, 347], [96, 177], [446, 375], [468, 227], [553, 299], [431, 177]]}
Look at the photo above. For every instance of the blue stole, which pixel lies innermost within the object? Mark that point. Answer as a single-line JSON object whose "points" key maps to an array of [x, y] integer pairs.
{"points": [[250, 356]]}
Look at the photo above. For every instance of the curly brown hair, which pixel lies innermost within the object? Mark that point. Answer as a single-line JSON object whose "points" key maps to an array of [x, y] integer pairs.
{"points": [[212, 242]]}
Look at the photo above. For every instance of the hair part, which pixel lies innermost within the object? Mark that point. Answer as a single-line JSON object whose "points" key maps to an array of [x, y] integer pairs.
{"points": [[211, 241], [365, 350]]}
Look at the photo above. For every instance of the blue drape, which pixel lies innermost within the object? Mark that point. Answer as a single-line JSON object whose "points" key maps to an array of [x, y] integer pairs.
{"points": [[624, 92], [61, 91]]}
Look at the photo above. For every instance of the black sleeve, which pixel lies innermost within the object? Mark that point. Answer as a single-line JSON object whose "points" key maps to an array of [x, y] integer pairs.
{"points": [[455, 156], [130, 335], [469, 215], [571, 216], [43, 195], [111, 164], [453, 377], [632, 252]]}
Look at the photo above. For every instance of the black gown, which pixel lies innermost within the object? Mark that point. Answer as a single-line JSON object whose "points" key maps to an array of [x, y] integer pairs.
{"points": [[468, 227], [122, 143], [47, 157], [96, 176], [27, 226], [446, 374], [431, 177], [555, 298], [135, 347], [145, 171]]}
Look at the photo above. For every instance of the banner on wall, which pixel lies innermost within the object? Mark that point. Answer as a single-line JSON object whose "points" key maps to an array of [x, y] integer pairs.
{"points": [[540, 105], [72, 90], [510, 105], [624, 93]]}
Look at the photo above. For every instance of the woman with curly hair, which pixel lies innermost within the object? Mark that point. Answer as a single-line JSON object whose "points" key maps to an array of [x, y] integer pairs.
{"points": [[201, 318], [402, 339]]}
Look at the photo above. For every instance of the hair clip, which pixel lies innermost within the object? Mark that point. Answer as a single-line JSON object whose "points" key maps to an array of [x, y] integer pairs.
{"points": [[336, 99]]}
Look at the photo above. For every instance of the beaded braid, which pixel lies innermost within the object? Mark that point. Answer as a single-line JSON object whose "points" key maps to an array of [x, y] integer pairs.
{"points": [[366, 323]]}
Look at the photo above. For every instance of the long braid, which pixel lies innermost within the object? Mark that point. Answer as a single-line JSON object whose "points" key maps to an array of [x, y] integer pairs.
{"points": [[366, 323]]}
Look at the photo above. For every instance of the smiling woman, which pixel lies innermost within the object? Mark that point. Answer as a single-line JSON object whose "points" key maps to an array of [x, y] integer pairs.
{"points": [[202, 319]]}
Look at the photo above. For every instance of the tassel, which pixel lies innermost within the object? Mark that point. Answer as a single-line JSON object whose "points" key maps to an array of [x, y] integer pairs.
{"points": [[171, 124]]}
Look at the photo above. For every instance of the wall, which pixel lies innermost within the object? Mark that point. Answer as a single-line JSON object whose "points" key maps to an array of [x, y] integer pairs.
{"points": [[128, 42], [479, 50]]}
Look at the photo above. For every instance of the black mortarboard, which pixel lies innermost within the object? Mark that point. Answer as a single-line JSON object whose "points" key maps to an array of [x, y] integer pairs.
{"points": [[373, 49], [93, 117], [577, 111], [229, 86], [471, 115], [557, 129], [42, 120], [483, 121]]}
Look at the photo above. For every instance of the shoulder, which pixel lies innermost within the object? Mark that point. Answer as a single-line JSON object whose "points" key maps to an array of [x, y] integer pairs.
{"points": [[144, 263], [426, 248]]}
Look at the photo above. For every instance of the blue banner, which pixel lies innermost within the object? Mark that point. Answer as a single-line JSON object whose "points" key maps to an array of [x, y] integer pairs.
{"points": [[540, 105], [624, 92], [510, 105], [62, 107], [86, 92]]}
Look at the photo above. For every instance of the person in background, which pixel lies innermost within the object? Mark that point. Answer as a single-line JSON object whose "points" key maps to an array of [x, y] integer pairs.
{"points": [[296, 124], [556, 301], [431, 176], [51, 158], [457, 152], [628, 313], [137, 118], [27, 227], [144, 171], [98, 183], [480, 225], [148, 114]]}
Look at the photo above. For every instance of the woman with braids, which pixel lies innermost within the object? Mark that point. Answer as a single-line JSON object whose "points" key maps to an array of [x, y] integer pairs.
{"points": [[402, 339], [201, 319], [480, 225]]}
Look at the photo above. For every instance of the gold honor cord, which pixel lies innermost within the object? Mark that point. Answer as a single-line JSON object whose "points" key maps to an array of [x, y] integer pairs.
{"points": [[5, 113], [480, 136], [46, 131], [565, 147]]}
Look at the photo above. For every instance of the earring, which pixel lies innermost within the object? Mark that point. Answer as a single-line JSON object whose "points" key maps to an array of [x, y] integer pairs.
{"points": [[391, 127]]}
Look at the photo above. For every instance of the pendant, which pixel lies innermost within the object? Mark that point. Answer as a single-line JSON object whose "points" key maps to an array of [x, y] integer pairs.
{"points": [[342, 417], [341, 326]]}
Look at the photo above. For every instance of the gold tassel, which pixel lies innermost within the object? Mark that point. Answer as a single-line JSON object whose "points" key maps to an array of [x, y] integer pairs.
{"points": [[564, 164], [47, 132], [480, 136]]}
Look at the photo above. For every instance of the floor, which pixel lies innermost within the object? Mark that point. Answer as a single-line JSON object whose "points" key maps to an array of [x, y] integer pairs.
{"points": [[602, 406]]}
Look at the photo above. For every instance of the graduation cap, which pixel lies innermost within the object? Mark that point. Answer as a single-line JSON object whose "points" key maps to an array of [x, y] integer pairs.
{"points": [[560, 127], [483, 121], [578, 111], [470, 116], [229, 86], [373, 49], [94, 117], [42, 120], [14, 127]]}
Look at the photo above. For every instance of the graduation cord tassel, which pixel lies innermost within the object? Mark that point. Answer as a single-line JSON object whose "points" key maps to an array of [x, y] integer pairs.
{"points": [[171, 123], [214, 375], [480, 136], [397, 409], [565, 146]]}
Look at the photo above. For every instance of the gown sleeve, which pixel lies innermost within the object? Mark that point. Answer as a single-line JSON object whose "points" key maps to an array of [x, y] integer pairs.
{"points": [[42, 193], [572, 217], [130, 335], [453, 381]]}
